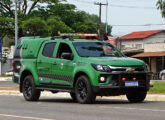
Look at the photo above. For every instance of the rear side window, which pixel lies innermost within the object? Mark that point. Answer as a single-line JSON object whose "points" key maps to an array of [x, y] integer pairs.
{"points": [[48, 49]]}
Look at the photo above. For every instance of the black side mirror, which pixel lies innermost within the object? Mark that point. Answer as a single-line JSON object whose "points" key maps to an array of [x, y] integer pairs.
{"points": [[68, 56]]}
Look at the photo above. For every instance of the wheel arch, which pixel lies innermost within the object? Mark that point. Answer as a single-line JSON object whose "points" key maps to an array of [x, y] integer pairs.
{"points": [[78, 74], [23, 75]]}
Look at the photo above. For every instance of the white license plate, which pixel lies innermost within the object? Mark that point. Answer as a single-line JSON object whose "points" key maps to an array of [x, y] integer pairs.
{"points": [[131, 83]]}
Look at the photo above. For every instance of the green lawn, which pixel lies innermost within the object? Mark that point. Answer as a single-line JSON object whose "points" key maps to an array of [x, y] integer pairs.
{"points": [[159, 87]]}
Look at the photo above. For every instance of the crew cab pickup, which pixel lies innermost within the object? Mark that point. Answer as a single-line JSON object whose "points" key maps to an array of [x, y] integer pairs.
{"points": [[85, 69]]}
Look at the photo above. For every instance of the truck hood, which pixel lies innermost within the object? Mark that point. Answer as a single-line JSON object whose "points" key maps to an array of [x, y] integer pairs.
{"points": [[114, 61]]}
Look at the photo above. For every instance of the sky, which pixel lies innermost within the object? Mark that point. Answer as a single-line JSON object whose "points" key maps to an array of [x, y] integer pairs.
{"points": [[125, 16]]}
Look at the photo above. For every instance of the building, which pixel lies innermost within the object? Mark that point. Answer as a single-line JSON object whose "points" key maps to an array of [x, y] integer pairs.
{"points": [[133, 43], [6, 60], [146, 45]]}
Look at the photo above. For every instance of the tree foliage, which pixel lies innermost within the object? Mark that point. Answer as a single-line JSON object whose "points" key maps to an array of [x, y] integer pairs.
{"points": [[35, 27], [45, 18], [56, 25], [161, 6]]}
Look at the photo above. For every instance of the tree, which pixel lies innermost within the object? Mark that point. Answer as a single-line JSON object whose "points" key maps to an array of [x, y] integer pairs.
{"points": [[161, 6], [24, 12], [35, 27], [6, 27], [45, 18], [56, 25]]}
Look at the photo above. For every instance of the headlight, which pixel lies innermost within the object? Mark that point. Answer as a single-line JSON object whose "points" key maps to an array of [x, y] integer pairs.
{"points": [[146, 68], [102, 68]]}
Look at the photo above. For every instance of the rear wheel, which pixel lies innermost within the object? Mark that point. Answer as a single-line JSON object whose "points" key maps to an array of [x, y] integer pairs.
{"points": [[29, 91], [136, 96], [83, 91]]}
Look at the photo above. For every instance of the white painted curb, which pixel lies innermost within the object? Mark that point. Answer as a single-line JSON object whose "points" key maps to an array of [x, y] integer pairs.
{"points": [[150, 97]]}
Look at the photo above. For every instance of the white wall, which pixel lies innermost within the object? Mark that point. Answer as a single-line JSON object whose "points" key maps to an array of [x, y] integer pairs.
{"points": [[157, 38], [132, 43], [156, 47]]}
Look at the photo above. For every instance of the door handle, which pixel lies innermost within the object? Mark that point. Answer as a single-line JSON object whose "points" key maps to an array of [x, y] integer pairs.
{"points": [[55, 63], [39, 61]]}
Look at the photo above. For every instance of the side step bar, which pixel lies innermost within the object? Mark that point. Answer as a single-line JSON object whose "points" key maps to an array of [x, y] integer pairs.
{"points": [[54, 89]]}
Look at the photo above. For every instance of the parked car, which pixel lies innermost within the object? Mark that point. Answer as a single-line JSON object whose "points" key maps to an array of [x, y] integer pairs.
{"points": [[162, 75], [85, 69], [9, 72]]}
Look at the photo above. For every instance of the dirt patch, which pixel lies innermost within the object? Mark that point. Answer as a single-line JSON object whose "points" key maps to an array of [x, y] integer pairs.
{"points": [[7, 88]]}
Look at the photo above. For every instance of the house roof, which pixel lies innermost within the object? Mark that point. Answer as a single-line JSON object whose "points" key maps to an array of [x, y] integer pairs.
{"points": [[149, 54], [140, 34]]}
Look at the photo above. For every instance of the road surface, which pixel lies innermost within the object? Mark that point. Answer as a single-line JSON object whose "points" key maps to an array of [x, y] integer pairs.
{"points": [[16, 108]]}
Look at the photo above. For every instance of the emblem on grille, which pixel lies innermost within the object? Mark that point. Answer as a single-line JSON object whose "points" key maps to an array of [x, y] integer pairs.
{"points": [[130, 69]]}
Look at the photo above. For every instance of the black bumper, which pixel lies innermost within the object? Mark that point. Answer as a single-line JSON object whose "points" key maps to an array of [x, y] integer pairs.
{"points": [[117, 86]]}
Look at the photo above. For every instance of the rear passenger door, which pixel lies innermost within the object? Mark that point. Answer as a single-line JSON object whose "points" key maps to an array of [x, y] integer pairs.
{"points": [[45, 61]]}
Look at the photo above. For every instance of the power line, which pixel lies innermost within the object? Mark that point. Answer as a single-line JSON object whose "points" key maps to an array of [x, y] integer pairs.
{"points": [[140, 7], [140, 25], [120, 6]]}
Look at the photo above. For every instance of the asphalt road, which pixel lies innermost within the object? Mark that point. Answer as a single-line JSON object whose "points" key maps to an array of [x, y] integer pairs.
{"points": [[16, 108], [51, 108]]}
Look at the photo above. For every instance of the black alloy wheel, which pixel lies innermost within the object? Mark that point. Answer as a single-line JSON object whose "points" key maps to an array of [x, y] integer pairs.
{"points": [[29, 91], [83, 91]]}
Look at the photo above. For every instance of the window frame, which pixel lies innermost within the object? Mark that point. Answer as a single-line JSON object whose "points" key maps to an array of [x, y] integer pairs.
{"points": [[57, 56], [52, 51]]}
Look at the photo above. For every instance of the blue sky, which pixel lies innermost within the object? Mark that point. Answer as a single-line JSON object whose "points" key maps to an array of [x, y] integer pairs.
{"points": [[125, 12]]}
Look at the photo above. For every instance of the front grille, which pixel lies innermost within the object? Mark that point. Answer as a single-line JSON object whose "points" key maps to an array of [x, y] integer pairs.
{"points": [[124, 68]]}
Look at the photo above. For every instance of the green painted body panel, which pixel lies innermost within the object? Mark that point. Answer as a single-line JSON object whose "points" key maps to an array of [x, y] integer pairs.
{"points": [[33, 61]]}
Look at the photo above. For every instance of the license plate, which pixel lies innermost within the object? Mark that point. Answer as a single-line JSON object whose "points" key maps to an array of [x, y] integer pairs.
{"points": [[131, 83]]}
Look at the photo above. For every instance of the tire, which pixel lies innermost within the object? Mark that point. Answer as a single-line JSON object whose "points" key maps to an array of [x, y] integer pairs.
{"points": [[163, 77], [29, 91], [73, 96], [136, 96], [83, 91]]}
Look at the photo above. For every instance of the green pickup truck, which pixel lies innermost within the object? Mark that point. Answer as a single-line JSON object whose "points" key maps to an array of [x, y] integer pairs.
{"points": [[85, 69]]}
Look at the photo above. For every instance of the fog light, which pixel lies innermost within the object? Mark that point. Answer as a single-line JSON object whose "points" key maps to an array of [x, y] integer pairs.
{"points": [[102, 79], [134, 78], [123, 79]]}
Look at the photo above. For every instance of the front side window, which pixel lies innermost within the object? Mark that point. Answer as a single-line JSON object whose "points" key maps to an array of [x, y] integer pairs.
{"points": [[48, 49], [63, 48], [96, 49]]}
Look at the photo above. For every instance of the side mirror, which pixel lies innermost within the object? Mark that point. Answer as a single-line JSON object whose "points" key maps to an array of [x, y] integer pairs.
{"points": [[68, 56]]}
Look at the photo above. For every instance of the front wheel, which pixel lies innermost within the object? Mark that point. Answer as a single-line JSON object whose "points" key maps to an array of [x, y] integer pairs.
{"points": [[29, 91], [136, 96], [83, 91]]}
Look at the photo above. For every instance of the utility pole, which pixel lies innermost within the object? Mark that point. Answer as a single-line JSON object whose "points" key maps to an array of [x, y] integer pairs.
{"points": [[17, 2], [106, 29], [16, 23], [99, 22]]}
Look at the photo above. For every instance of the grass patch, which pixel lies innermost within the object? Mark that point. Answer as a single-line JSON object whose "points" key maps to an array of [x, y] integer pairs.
{"points": [[159, 87]]}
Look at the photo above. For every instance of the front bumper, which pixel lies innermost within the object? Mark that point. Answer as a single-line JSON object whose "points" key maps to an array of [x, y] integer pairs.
{"points": [[117, 86]]}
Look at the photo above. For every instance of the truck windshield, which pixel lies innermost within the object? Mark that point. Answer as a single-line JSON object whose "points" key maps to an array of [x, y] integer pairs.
{"points": [[96, 49]]}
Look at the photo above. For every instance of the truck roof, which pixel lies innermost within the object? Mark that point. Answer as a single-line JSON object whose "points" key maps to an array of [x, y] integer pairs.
{"points": [[56, 39]]}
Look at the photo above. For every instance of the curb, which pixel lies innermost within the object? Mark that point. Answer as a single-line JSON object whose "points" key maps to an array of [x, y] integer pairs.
{"points": [[150, 97], [3, 79]]}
